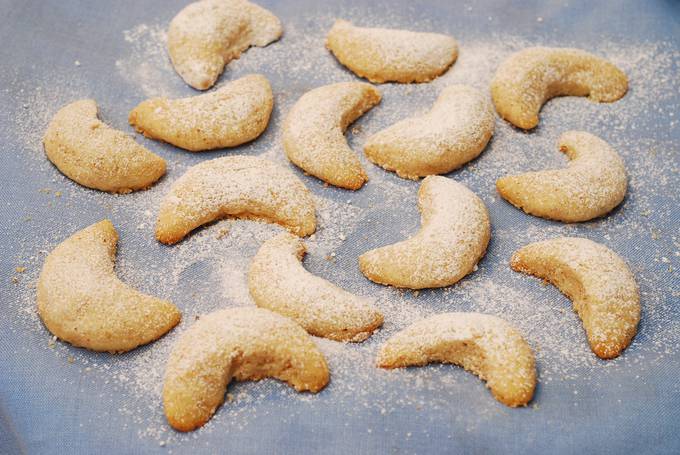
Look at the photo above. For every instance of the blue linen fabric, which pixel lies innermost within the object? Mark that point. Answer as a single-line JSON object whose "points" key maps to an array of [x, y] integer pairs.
{"points": [[51, 406]]}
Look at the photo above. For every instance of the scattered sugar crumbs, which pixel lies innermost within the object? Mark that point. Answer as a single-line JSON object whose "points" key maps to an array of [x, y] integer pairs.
{"points": [[208, 269], [147, 67]]}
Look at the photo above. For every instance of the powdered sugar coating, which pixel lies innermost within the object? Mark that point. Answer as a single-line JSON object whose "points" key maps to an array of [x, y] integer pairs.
{"points": [[240, 186], [455, 231], [97, 156], [237, 343], [593, 183], [208, 34], [483, 344], [236, 113], [384, 55], [596, 279], [128, 387], [313, 132], [453, 132], [530, 77], [82, 301], [278, 282]]}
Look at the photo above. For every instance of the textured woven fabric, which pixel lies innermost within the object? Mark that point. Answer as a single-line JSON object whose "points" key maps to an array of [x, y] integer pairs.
{"points": [[57, 399]]}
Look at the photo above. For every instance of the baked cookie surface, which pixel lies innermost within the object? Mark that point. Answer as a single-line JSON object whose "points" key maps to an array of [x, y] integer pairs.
{"points": [[82, 301], [453, 132], [532, 76], [234, 114], [384, 55], [592, 185], [208, 34], [278, 282], [94, 155], [313, 132], [597, 280], [243, 343], [485, 345], [238, 186], [454, 233]]}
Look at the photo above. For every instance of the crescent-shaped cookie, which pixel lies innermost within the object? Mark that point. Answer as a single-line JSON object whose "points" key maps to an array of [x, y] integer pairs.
{"points": [[232, 115], [591, 185], [384, 55], [93, 154], [453, 132], [532, 76], [483, 344], [278, 282], [314, 132], [82, 301], [454, 233], [236, 343], [208, 34], [235, 186], [598, 282]]}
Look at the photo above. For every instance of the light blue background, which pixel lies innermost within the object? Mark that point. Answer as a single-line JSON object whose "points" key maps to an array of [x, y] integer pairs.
{"points": [[47, 408]]}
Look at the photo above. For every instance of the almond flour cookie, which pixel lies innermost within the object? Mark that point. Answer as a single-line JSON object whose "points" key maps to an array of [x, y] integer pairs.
{"points": [[591, 185], [82, 301], [313, 132], [454, 233], [532, 76], [278, 282], [232, 115], [384, 55], [208, 34], [453, 132], [598, 282], [93, 154], [238, 186], [236, 343], [483, 344]]}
